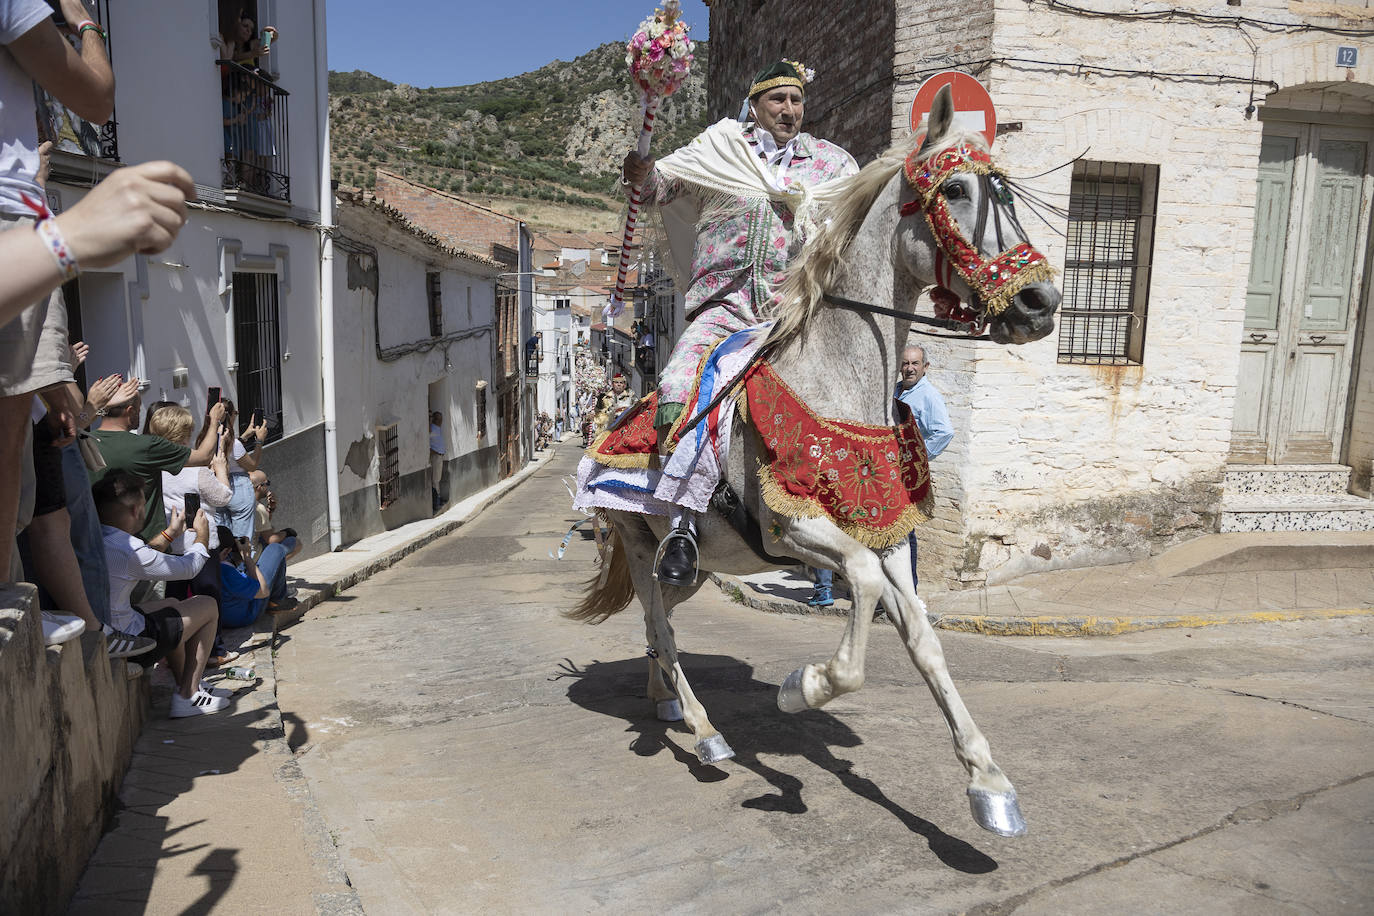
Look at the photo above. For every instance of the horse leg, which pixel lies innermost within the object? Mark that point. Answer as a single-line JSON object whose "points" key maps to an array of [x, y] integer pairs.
{"points": [[813, 685], [666, 706], [992, 798], [710, 746]]}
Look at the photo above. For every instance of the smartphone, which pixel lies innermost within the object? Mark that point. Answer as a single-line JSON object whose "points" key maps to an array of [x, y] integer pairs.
{"points": [[192, 507], [213, 398], [257, 416]]}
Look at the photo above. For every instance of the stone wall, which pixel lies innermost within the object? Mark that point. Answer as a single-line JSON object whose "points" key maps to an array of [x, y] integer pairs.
{"points": [[70, 717], [849, 43]]}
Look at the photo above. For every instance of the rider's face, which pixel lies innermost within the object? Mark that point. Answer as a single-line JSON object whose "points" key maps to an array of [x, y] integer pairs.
{"points": [[618, 386], [779, 111]]}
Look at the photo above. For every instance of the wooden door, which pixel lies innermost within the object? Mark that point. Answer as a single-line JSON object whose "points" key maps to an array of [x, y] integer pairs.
{"points": [[1306, 271]]}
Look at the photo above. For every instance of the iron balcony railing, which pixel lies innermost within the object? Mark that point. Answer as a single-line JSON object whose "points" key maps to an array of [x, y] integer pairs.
{"points": [[256, 139]]}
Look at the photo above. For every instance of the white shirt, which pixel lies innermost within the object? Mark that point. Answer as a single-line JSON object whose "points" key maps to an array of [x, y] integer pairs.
{"points": [[213, 495], [436, 439], [779, 158], [239, 451], [130, 561], [18, 127]]}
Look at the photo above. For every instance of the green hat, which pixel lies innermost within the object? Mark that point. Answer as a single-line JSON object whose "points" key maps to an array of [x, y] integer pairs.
{"points": [[782, 73]]}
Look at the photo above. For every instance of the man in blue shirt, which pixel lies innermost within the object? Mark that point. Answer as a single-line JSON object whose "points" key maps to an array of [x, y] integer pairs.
{"points": [[932, 419], [247, 588]]}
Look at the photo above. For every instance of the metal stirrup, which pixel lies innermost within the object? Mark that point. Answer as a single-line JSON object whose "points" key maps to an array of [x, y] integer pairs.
{"points": [[663, 547]]}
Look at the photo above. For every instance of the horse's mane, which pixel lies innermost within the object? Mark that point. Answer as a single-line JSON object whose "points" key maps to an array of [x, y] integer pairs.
{"points": [[817, 268]]}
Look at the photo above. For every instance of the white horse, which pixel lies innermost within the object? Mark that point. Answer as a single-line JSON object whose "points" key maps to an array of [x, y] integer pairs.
{"points": [[877, 247]]}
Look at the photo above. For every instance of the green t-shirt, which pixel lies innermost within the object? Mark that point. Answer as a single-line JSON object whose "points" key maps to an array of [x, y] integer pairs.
{"points": [[148, 457]]}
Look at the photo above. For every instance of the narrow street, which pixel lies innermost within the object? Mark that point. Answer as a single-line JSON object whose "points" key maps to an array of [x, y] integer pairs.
{"points": [[472, 751]]}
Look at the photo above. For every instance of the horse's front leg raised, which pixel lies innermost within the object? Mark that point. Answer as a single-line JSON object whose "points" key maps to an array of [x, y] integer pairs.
{"points": [[813, 685], [992, 798]]}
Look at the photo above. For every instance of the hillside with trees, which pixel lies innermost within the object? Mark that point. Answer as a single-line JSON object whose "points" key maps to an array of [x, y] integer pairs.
{"points": [[545, 145]]}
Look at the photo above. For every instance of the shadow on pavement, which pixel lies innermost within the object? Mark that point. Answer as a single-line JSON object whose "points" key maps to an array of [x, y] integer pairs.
{"points": [[742, 705]]}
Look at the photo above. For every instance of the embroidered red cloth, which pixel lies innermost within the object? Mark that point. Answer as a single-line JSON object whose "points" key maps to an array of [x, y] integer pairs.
{"points": [[872, 481], [631, 442]]}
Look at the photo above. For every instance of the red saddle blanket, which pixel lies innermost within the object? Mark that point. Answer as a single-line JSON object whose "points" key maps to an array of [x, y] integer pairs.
{"points": [[871, 481]]}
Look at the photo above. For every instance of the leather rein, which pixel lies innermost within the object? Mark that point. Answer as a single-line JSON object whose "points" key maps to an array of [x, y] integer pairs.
{"points": [[948, 324]]}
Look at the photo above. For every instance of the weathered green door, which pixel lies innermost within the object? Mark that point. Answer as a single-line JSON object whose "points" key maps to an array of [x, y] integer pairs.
{"points": [[1306, 272]]}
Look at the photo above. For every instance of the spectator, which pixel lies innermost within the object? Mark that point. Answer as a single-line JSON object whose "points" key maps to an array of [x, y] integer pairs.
{"points": [[34, 355], [928, 407], [211, 484], [183, 630], [51, 557], [251, 586], [238, 515], [266, 506], [822, 594], [436, 456], [148, 457]]}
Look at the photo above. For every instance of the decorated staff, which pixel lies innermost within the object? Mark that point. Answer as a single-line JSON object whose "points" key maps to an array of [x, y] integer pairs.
{"points": [[659, 57]]}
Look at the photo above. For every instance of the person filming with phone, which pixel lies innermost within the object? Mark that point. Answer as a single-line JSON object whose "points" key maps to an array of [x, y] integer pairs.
{"points": [[248, 585]]}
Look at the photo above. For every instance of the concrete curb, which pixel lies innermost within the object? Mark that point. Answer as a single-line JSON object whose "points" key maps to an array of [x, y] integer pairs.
{"points": [[1065, 625]]}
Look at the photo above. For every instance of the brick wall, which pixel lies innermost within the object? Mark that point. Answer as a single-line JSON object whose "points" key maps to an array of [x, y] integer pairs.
{"points": [[849, 43], [462, 224]]}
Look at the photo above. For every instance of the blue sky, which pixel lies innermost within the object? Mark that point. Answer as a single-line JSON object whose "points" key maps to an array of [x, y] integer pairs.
{"points": [[427, 43]]}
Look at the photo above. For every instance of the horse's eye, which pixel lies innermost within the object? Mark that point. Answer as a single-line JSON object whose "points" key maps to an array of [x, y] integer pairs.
{"points": [[954, 191]]}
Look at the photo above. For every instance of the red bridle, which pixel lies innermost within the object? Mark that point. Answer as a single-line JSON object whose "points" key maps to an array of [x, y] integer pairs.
{"points": [[996, 280]]}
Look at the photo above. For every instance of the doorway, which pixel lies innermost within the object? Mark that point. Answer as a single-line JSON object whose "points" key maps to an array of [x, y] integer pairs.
{"points": [[1308, 267]]}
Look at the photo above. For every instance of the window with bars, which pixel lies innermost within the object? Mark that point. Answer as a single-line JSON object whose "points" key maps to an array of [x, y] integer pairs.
{"points": [[388, 466], [1107, 264], [257, 346], [436, 304]]}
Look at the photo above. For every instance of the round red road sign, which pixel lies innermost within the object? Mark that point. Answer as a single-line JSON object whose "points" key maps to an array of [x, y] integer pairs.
{"points": [[972, 104]]}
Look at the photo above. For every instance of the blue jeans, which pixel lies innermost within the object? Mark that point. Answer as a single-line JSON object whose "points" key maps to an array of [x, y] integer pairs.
{"points": [[238, 515], [823, 578], [272, 565], [86, 537]]}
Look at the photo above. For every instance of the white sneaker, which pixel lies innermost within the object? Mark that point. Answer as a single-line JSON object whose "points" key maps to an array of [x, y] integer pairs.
{"points": [[58, 628], [221, 692], [119, 644], [200, 704]]}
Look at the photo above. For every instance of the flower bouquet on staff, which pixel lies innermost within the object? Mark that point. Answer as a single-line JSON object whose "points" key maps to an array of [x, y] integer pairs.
{"points": [[659, 57]]}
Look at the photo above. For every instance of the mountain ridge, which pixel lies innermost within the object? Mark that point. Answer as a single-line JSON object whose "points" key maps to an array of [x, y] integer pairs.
{"points": [[544, 145]]}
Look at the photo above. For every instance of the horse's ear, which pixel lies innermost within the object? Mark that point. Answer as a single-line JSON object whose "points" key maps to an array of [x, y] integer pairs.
{"points": [[940, 119]]}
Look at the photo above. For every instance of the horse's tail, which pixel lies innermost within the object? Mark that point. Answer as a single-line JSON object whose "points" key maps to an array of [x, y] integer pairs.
{"points": [[611, 590]]}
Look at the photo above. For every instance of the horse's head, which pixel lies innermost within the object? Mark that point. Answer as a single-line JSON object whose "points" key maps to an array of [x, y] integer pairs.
{"points": [[960, 229]]}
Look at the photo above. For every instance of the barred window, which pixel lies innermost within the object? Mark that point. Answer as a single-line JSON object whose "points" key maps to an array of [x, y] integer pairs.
{"points": [[388, 466], [1107, 265], [436, 304], [257, 347]]}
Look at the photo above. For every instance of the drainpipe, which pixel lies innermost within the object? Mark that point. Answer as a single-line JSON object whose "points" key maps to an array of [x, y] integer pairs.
{"points": [[329, 394]]}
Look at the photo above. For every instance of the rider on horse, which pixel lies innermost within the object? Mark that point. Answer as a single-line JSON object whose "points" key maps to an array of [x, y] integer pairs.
{"points": [[742, 181]]}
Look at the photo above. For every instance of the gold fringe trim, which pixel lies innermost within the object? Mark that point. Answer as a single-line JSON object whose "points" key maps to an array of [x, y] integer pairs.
{"points": [[615, 461], [1038, 273], [793, 506]]}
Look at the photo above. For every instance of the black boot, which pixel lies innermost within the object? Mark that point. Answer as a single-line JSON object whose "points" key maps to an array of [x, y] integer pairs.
{"points": [[677, 563]]}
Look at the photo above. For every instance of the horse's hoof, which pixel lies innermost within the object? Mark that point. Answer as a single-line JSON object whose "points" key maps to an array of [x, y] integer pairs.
{"points": [[790, 696], [997, 811], [669, 710], [713, 750]]}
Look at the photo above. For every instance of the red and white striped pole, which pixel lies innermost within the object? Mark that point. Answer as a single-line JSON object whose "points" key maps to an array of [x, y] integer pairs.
{"points": [[627, 245]]}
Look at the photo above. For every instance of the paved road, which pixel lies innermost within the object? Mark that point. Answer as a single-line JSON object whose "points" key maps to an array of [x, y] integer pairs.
{"points": [[474, 752]]}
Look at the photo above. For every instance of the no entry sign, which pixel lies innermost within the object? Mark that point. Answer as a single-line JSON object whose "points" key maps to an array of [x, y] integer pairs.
{"points": [[972, 104]]}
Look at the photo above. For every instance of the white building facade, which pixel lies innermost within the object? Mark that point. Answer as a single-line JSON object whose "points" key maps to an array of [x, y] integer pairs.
{"points": [[235, 302], [415, 330]]}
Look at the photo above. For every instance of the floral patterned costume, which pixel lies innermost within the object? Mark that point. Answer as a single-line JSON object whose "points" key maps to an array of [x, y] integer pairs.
{"points": [[739, 257]]}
